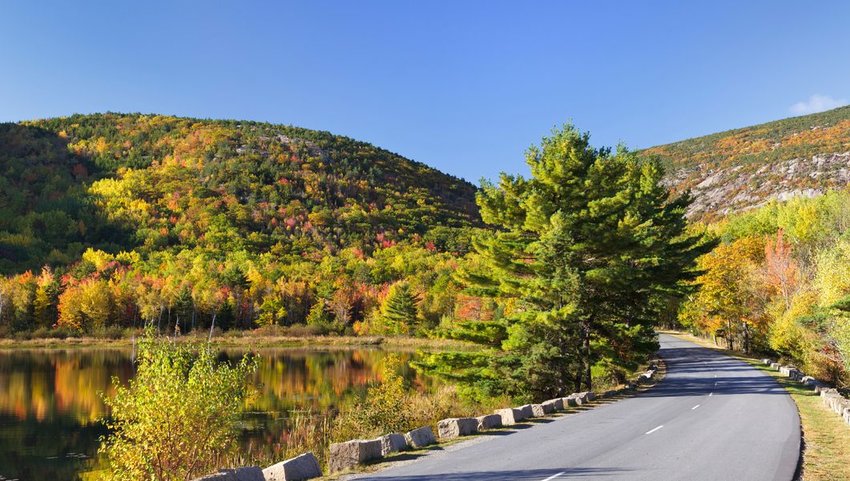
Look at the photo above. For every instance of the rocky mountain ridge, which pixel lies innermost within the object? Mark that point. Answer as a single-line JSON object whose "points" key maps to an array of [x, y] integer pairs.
{"points": [[744, 168]]}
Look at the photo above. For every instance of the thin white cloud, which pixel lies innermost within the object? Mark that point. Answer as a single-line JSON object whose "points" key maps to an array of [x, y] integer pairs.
{"points": [[816, 103]]}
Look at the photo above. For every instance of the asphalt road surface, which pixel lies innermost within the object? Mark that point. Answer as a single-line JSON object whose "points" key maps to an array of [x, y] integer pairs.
{"points": [[711, 418]]}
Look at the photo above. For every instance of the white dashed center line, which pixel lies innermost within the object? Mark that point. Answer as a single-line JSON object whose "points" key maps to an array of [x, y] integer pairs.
{"points": [[654, 429], [550, 478], [695, 407]]}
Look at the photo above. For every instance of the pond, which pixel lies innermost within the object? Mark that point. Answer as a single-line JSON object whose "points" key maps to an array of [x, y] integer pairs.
{"points": [[51, 401]]}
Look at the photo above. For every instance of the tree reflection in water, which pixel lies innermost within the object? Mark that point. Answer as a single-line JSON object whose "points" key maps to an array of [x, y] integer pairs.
{"points": [[50, 400]]}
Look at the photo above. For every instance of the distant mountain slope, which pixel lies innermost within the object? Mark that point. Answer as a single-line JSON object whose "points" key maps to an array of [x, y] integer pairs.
{"points": [[739, 169], [151, 183]]}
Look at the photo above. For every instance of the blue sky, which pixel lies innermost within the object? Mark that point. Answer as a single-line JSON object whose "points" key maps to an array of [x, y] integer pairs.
{"points": [[465, 86]]}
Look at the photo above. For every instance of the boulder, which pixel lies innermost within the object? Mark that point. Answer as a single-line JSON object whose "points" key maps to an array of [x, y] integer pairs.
{"points": [[808, 380], [585, 397], [509, 416], [591, 396], [538, 411], [490, 421], [820, 387], [570, 401], [419, 438], [392, 443], [296, 469], [352, 453], [553, 405], [454, 427], [251, 473], [766, 362], [775, 366], [527, 411]]}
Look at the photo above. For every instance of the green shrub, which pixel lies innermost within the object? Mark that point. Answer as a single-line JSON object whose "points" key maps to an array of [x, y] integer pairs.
{"points": [[177, 419]]}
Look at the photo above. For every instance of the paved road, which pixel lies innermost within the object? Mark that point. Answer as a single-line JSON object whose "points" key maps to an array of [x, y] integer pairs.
{"points": [[712, 418]]}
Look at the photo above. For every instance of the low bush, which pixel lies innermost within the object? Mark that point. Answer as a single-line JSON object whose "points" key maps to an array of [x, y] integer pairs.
{"points": [[178, 418]]}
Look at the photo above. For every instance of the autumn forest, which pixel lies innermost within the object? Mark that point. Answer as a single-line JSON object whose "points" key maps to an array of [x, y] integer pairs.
{"points": [[112, 222]]}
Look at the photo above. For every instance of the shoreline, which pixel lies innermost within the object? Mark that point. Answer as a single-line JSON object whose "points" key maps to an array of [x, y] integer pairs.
{"points": [[248, 341]]}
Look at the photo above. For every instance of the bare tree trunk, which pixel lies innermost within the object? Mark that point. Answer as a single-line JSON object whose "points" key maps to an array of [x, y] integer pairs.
{"points": [[212, 326], [587, 364], [729, 339]]}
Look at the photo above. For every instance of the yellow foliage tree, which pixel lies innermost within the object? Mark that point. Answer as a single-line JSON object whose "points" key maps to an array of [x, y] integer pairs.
{"points": [[729, 302]]}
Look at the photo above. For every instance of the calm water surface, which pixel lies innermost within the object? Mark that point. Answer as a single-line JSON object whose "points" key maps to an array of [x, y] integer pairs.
{"points": [[50, 400]]}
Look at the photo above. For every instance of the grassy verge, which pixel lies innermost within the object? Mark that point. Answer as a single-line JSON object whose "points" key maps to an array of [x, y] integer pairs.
{"points": [[826, 438]]}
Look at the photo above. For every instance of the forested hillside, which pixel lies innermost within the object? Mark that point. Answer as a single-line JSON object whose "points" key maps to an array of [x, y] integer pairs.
{"points": [[739, 169], [159, 183], [111, 218]]}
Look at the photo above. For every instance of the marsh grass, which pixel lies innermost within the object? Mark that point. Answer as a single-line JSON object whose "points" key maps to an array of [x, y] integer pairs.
{"points": [[238, 340]]}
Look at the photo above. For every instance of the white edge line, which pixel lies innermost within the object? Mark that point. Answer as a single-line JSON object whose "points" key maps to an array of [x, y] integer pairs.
{"points": [[649, 432], [710, 394], [550, 478]]}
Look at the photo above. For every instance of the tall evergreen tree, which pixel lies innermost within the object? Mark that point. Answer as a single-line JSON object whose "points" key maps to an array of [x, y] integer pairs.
{"points": [[585, 250], [398, 311]]}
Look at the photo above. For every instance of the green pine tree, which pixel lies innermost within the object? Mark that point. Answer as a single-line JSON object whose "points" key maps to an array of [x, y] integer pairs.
{"points": [[399, 310], [585, 249]]}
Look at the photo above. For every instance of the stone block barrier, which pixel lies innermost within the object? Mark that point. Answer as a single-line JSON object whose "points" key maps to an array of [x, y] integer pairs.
{"points": [[538, 411], [455, 427], [392, 443], [357, 452], [419, 438], [509, 416], [299, 468], [353, 453], [489, 421], [584, 397], [527, 411], [553, 405], [830, 397]]}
